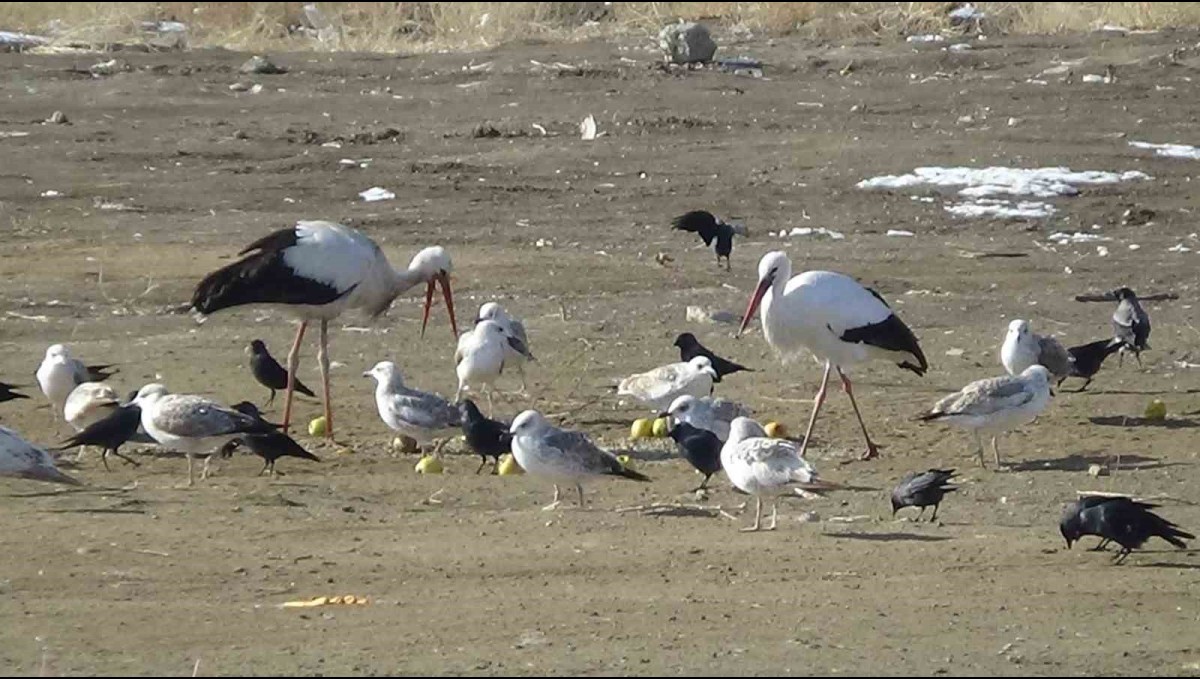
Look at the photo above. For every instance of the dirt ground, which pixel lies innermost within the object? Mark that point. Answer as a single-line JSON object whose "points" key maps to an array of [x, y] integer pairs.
{"points": [[165, 173]]}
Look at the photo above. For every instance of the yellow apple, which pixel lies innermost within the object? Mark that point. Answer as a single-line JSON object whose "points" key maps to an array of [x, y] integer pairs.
{"points": [[660, 427], [430, 464], [776, 430], [508, 466], [642, 428], [318, 426]]}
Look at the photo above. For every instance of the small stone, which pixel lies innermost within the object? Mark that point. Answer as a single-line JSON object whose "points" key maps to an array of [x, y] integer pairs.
{"points": [[241, 86], [1097, 470], [57, 118], [809, 517], [262, 65]]}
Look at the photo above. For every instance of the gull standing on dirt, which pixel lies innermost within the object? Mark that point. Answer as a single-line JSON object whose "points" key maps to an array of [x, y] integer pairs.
{"points": [[922, 489], [566, 457], [482, 355], [760, 465], [317, 270], [661, 386], [88, 403], [1022, 348], [60, 373], [995, 405], [21, 459], [1131, 324], [709, 414], [837, 320], [492, 311], [420, 415], [193, 425]]}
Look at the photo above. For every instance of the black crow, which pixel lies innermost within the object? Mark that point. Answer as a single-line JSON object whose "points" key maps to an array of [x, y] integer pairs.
{"points": [[270, 447], [1121, 520], [710, 228], [1086, 359], [690, 347], [922, 489], [8, 392], [269, 373], [488, 438], [700, 447], [110, 433]]}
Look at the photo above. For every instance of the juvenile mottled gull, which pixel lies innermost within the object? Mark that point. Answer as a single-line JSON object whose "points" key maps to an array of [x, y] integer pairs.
{"points": [[922, 489], [1131, 324], [760, 465], [566, 457], [709, 414], [661, 386], [193, 425], [512, 325], [21, 459], [60, 373], [1022, 348], [420, 415], [995, 405]]}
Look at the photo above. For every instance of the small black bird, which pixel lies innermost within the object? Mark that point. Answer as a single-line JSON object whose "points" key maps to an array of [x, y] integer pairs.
{"points": [[922, 489], [1131, 324], [700, 447], [269, 373], [248, 408], [690, 347], [270, 447], [110, 433], [1086, 359], [710, 228], [488, 438], [1121, 520], [8, 393]]}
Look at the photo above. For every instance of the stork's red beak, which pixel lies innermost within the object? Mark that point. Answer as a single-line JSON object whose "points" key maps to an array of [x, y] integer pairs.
{"points": [[443, 279], [763, 286]]}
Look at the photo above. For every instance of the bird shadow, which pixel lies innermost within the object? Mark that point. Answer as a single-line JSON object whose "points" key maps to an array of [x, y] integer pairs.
{"points": [[96, 510], [891, 537], [1081, 463], [1123, 421], [1173, 566], [1132, 392]]}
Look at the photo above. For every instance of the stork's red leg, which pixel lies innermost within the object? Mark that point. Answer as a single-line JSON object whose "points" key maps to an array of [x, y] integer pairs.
{"points": [[812, 420], [323, 358], [872, 449], [293, 362]]}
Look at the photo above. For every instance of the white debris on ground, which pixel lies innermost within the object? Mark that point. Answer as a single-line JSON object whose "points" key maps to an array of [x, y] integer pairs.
{"points": [[933, 37], [376, 193], [811, 231], [1169, 150], [898, 233], [1062, 237], [981, 183], [11, 41], [966, 13]]}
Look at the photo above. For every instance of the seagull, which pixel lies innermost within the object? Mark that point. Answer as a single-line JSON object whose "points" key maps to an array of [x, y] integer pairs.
{"points": [[661, 386], [1120, 520], [710, 228], [269, 373], [566, 457], [190, 424], [690, 347], [837, 320], [488, 438], [995, 405], [417, 414], [1086, 359], [88, 403], [110, 432], [710, 414], [8, 392], [317, 270], [922, 489], [59, 373], [21, 459], [760, 465], [482, 355], [700, 447], [1022, 348], [1131, 324], [492, 311], [270, 447]]}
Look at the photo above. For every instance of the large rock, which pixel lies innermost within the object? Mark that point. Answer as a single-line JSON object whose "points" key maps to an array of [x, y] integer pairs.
{"points": [[687, 43]]}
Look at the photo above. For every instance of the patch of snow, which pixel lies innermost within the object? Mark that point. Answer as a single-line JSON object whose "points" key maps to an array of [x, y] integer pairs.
{"points": [[924, 38], [900, 234], [376, 193], [1062, 237], [1169, 150], [1179, 248], [810, 231], [991, 207], [1045, 182], [1092, 78]]}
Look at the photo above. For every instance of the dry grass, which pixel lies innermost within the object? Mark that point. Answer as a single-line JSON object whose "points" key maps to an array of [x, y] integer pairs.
{"points": [[424, 26]]}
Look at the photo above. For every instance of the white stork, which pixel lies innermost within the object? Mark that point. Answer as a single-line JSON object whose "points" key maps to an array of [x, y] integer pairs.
{"points": [[835, 318], [317, 270]]}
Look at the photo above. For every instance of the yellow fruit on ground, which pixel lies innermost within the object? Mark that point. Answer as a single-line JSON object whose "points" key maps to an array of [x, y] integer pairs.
{"points": [[1156, 410], [318, 426], [660, 427], [625, 461], [508, 466], [430, 465], [776, 430], [642, 428]]}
